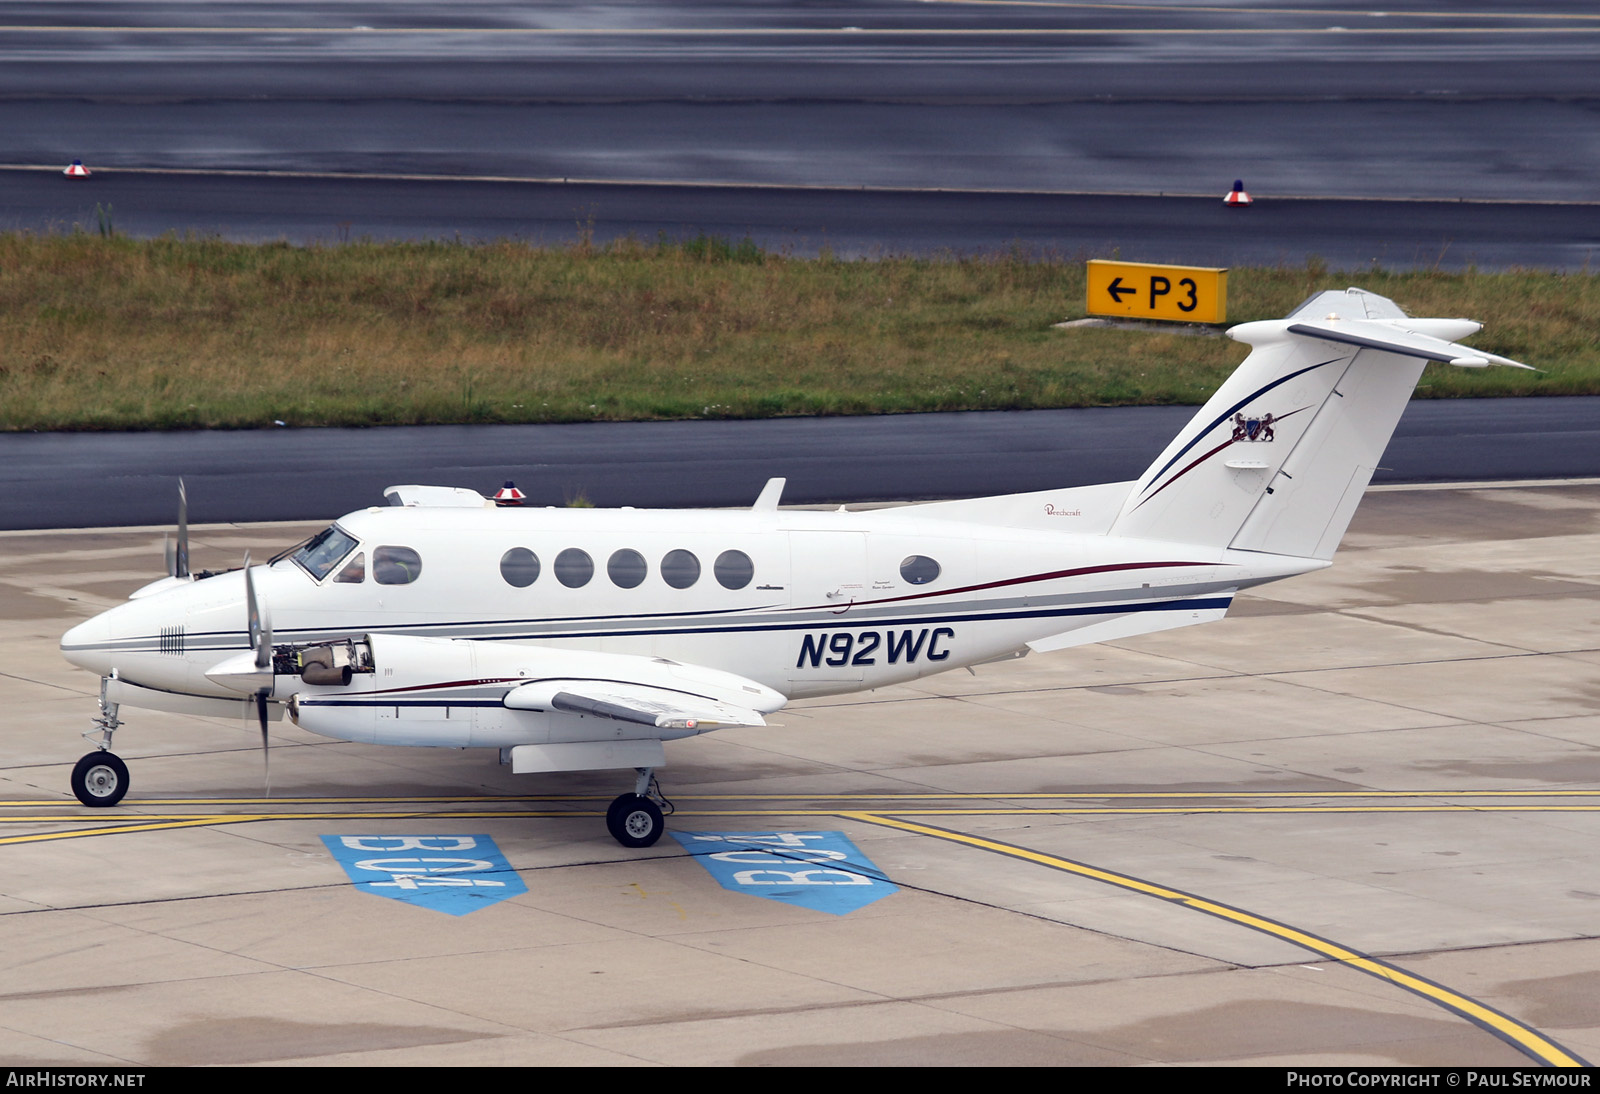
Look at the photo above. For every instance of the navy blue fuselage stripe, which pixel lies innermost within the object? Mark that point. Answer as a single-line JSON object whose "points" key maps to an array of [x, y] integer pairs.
{"points": [[1226, 414], [404, 629]]}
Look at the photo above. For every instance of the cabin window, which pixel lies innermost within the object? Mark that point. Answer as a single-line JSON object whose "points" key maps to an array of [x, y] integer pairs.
{"points": [[627, 568], [395, 565], [919, 569], [322, 552], [734, 569], [680, 569], [355, 571], [520, 567], [574, 568]]}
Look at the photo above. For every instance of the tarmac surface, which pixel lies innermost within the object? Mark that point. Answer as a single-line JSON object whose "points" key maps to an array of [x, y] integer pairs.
{"points": [[1355, 823]]}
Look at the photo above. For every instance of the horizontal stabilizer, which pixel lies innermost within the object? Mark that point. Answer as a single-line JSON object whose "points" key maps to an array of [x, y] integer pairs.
{"points": [[1389, 336]]}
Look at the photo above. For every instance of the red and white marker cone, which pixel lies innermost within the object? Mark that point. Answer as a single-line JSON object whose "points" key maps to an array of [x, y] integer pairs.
{"points": [[509, 495], [1237, 198], [76, 170]]}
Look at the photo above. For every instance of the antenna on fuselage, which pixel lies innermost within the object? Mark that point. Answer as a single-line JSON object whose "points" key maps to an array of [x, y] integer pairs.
{"points": [[770, 494]]}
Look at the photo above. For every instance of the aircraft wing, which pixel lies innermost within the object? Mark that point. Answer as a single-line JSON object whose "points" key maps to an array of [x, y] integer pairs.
{"points": [[552, 709], [641, 704]]}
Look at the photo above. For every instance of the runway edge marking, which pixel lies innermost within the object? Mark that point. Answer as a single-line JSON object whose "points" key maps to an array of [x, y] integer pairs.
{"points": [[1528, 1041]]}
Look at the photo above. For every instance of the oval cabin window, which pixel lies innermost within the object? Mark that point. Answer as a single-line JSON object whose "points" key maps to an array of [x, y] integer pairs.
{"points": [[626, 568], [919, 569], [520, 567], [734, 569], [680, 569], [574, 568]]}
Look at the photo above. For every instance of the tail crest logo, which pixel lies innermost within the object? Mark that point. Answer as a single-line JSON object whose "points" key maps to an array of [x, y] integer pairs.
{"points": [[1252, 429]]}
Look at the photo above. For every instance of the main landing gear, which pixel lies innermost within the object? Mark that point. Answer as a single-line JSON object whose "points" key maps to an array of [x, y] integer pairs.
{"points": [[636, 820], [101, 778]]}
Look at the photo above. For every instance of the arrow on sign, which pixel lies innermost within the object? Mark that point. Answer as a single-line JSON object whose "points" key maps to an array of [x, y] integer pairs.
{"points": [[1117, 288]]}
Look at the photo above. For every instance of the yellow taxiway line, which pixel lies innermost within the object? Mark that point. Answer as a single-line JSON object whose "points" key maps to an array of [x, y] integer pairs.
{"points": [[893, 797], [776, 805], [1525, 1039]]}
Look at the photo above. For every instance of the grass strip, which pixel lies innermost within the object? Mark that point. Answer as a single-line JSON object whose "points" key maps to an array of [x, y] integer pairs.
{"points": [[107, 332]]}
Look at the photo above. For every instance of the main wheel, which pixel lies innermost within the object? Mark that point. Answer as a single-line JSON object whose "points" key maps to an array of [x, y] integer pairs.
{"points": [[100, 778], [634, 821]]}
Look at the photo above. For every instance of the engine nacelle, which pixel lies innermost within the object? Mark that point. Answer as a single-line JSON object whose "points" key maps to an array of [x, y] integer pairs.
{"points": [[452, 693]]}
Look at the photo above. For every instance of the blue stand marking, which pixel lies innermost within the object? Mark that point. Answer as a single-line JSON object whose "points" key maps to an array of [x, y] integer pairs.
{"points": [[819, 870], [450, 874]]}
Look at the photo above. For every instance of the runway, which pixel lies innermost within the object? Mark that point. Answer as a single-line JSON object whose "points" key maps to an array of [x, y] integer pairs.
{"points": [[1352, 824], [1068, 128], [1342, 233]]}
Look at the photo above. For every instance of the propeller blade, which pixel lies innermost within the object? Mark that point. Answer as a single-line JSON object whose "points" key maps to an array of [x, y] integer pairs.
{"points": [[260, 624], [264, 641], [260, 627], [261, 716], [179, 565]]}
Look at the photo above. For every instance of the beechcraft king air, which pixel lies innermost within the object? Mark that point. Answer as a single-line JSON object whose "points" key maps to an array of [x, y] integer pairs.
{"points": [[583, 639]]}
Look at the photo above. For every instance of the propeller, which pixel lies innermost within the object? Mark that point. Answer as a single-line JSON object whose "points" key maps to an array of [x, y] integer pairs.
{"points": [[261, 641], [178, 560]]}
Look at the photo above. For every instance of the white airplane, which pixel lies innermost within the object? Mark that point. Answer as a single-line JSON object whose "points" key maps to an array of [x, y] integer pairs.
{"points": [[582, 639]]}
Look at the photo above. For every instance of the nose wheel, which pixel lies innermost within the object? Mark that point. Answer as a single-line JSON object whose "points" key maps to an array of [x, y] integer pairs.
{"points": [[100, 779]]}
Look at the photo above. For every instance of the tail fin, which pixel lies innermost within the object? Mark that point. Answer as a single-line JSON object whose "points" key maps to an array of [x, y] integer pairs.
{"points": [[1278, 458]]}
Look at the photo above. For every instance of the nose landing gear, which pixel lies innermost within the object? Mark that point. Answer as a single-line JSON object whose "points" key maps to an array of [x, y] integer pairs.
{"points": [[101, 778]]}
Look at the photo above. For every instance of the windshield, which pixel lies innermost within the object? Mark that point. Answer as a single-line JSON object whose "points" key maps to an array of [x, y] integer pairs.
{"points": [[323, 551]]}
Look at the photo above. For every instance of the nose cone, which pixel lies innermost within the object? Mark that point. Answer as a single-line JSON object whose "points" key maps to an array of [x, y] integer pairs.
{"points": [[86, 645]]}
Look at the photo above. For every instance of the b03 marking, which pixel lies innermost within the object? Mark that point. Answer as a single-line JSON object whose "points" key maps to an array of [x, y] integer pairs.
{"points": [[860, 648]]}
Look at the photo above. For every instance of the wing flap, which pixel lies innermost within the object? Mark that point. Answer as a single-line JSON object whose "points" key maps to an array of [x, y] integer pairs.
{"points": [[638, 704]]}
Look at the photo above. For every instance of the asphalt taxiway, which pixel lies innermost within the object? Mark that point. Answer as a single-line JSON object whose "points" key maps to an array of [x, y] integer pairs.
{"points": [[1354, 823]]}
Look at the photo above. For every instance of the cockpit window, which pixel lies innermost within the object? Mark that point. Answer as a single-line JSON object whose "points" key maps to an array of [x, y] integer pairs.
{"points": [[323, 551], [354, 572]]}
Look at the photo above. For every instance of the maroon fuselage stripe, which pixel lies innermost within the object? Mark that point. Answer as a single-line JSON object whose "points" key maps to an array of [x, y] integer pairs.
{"points": [[1003, 582]]}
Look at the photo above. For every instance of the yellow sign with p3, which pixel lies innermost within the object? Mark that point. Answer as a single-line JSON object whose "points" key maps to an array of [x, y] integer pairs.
{"points": [[1140, 290]]}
